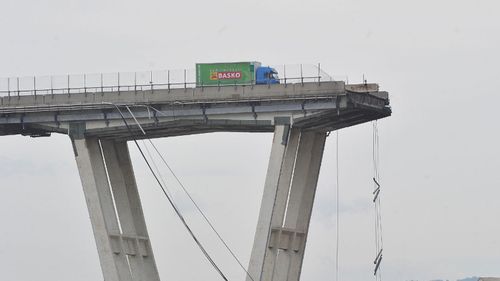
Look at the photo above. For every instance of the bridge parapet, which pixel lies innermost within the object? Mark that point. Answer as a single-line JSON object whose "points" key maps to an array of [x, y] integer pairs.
{"points": [[139, 81], [188, 95]]}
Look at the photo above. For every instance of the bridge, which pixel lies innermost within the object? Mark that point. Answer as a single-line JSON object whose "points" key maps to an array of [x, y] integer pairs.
{"points": [[99, 123]]}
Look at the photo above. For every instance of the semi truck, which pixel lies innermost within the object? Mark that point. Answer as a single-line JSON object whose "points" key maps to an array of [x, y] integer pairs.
{"points": [[235, 73]]}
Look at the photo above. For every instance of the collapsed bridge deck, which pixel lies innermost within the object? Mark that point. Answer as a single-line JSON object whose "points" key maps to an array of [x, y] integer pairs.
{"points": [[324, 106]]}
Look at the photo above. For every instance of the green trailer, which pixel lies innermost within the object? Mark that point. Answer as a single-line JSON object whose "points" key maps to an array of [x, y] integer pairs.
{"points": [[229, 73], [234, 73]]}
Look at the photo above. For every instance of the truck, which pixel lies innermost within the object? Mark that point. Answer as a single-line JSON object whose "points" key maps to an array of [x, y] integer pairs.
{"points": [[235, 73]]}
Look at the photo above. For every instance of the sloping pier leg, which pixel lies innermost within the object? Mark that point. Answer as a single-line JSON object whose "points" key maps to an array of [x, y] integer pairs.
{"points": [[292, 236], [286, 206], [134, 238], [122, 240], [274, 198]]}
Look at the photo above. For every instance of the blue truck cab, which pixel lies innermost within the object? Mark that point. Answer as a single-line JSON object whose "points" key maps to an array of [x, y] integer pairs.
{"points": [[266, 75]]}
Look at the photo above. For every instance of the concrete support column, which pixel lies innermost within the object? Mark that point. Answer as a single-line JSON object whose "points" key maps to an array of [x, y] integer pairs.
{"points": [[291, 238], [101, 209], [122, 240], [279, 171], [134, 238], [286, 205]]}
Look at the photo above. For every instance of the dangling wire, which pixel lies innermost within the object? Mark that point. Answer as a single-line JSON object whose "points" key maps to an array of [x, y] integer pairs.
{"points": [[182, 186], [169, 193], [379, 245], [188, 194], [170, 200], [207, 220], [338, 209]]}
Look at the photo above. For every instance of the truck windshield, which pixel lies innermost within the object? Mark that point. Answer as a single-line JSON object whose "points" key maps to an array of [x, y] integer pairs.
{"points": [[274, 75]]}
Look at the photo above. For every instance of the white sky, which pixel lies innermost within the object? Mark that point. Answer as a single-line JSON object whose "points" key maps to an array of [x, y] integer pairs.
{"points": [[439, 151]]}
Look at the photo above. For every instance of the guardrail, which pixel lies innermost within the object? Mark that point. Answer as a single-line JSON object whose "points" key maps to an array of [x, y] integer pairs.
{"points": [[138, 81]]}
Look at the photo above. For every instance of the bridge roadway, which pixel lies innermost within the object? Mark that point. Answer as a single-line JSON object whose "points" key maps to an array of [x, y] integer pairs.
{"points": [[300, 115], [320, 106]]}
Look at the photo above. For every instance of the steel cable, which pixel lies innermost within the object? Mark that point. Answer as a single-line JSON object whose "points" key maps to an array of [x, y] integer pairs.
{"points": [[377, 200], [207, 220], [200, 211], [337, 210], [176, 210]]}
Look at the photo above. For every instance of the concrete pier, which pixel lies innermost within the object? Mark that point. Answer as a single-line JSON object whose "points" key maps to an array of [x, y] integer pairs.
{"points": [[108, 182], [286, 206]]}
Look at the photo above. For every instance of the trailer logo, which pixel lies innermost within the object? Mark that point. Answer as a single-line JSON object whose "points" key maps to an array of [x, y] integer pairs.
{"points": [[225, 75]]}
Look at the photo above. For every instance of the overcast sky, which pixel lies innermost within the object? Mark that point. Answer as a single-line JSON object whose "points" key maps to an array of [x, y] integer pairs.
{"points": [[439, 151]]}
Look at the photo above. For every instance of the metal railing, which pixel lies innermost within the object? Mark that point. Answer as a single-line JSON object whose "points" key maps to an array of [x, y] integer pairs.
{"points": [[138, 81]]}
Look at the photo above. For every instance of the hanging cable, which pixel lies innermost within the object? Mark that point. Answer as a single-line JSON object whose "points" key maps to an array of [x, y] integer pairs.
{"points": [[200, 211], [157, 169], [207, 220], [184, 188], [337, 210], [176, 210], [376, 200]]}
